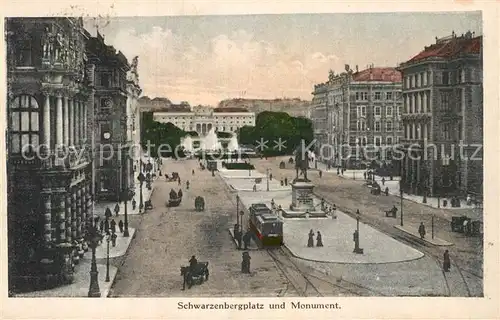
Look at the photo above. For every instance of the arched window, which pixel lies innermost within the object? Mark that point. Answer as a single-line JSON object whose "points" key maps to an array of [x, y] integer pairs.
{"points": [[24, 123]]}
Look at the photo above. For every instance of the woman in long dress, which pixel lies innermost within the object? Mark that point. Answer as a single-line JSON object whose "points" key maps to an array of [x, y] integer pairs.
{"points": [[310, 241]]}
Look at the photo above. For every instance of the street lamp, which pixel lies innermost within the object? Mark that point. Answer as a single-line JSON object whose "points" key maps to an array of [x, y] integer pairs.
{"points": [[267, 178], [125, 195], [93, 237], [141, 179], [107, 256], [401, 199], [357, 249]]}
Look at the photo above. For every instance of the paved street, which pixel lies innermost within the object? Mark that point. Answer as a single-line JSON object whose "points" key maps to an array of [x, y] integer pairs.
{"points": [[167, 237]]}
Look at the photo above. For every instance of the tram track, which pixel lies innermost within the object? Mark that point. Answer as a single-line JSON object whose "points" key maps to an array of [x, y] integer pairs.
{"points": [[310, 282]]}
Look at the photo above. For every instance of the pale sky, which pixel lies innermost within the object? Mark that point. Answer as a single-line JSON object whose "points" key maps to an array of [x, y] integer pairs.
{"points": [[204, 59]]}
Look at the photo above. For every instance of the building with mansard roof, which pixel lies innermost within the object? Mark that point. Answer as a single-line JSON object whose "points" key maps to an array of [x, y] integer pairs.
{"points": [[443, 109], [48, 140]]}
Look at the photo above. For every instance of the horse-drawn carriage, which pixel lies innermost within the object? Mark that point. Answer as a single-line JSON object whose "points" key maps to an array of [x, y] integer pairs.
{"points": [[196, 275], [148, 205], [173, 177], [199, 203], [175, 198]]}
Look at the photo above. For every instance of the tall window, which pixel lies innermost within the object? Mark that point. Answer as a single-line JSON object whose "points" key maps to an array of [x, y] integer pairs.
{"points": [[24, 124], [446, 77], [388, 111], [106, 78], [377, 126], [378, 95], [389, 95], [377, 140], [361, 111], [24, 53], [377, 111], [389, 125], [388, 140], [445, 101]]}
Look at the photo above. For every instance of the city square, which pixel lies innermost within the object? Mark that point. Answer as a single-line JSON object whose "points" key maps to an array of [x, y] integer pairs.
{"points": [[352, 189]]}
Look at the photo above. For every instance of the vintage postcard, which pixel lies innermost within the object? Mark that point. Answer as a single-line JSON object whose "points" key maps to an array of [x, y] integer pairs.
{"points": [[257, 163]]}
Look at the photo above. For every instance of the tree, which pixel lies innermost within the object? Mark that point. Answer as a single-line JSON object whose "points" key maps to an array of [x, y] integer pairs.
{"points": [[270, 127], [159, 134]]}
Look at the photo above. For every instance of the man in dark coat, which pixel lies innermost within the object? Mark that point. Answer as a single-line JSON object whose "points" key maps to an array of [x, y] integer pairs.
{"points": [[245, 263], [446, 262], [421, 230], [113, 226], [134, 204], [108, 213], [246, 239], [286, 181], [192, 264], [120, 226], [117, 209], [319, 240]]}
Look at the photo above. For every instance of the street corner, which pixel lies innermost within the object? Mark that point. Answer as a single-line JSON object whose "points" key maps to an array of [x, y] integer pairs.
{"points": [[338, 243]]}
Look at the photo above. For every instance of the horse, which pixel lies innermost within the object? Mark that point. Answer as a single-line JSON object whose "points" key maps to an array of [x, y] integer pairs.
{"points": [[201, 274]]}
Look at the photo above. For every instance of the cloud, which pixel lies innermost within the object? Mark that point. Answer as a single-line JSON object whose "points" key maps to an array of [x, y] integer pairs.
{"points": [[221, 66]]}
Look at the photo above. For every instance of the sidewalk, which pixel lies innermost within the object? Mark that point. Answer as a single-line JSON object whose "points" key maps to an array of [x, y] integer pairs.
{"points": [[100, 207], [122, 244], [428, 237], [80, 287]]}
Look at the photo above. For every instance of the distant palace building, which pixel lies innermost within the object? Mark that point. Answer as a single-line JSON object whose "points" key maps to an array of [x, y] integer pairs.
{"points": [[205, 118], [357, 108], [443, 105]]}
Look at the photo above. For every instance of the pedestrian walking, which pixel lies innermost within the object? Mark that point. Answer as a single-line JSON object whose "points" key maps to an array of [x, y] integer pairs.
{"points": [[246, 240], [107, 213], [338, 170], [320, 174], [270, 176], [117, 209], [364, 175], [187, 185], [179, 181], [134, 204], [113, 226], [383, 181], [286, 181], [254, 188], [386, 191], [421, 230], [446, 262], [281, 182], [120, 226], [113, 238], [106, 227], [310, 241], [192, 172], [319, 240]]}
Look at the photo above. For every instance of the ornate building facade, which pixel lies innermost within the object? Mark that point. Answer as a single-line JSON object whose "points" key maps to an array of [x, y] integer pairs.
{"points": [[355, 109], [134, 118], [113, 139], [443, 109], [49, 164]]}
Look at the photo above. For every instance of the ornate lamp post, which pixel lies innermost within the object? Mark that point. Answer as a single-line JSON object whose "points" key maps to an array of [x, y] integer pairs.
{"points": [[141, 179], [357, 249], [93, 237]]}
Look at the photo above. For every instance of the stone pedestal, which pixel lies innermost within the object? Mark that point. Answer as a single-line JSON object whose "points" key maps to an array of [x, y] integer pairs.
{"points": [[302, 196]]}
